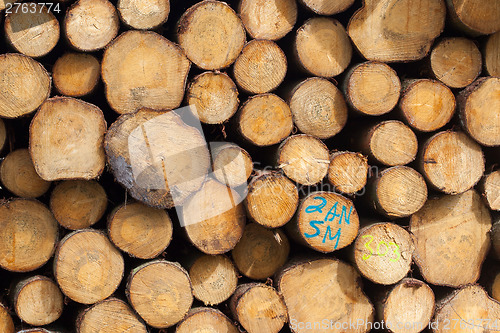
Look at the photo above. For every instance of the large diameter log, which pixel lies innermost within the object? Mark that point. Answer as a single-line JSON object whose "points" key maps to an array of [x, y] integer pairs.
{"points": [[326, 7], [214, 48], [160, 292], [154, 154], [109, 316], [231, 164], [87, 267], [258, 308], [307, 286], [6, 323], [348, 171], [451, 244], [143, 69], [142, 14], [397, 31], [325, 222], [28, 235], [37, 300], [490, 189], [476, 17], [89, 25], [26, 84], [269, 20], [34, 33], [76, 74], [383, 252], [477, 104], [322, 47], [141, 231], [318, 108], [18, 175], [492, 55], [260, 252], [206, 320], [66, 139], [451, 162]]}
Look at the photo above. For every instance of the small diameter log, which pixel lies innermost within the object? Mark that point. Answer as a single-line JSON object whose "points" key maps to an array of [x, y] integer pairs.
{"points": [[214, 218], [261, 67], [452, 162], [109, 316], [325, 222], [456, 62], [476, 106], [451, 244], [398, 192], [3, 134], [475, 17], [215, 97], [383, 252], [6, 323], [348, 171], [231, 164], [389, 142], [141, 231], [322, 47], [34, 33], [87, 266], [304, 159], [89, 25], [154, 154], [265, 120], [258, 308], [492, 55], [143, 69], [26, 84], [318, 108], [490, 189], [408, 307], [390, 31], [214, 278], [66, 136], [214, 48], [467, 309], [307, 286], [326, 7], [78, 204], [28, 235], [272, 199], [160, 292], [206, 320], [260, 252], [76, 74], [269, 20], [142, 14], [37, 300], [427, 105], [18, 175], [372, 88]]}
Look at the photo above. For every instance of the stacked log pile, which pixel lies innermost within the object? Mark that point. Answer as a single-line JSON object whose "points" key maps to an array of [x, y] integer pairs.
{"points": [[251, 166]]}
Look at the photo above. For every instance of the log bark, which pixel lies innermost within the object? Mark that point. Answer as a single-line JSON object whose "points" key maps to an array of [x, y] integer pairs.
{"points": [[28, 235], [215, 97], [318, 108], [304, 159], [89, 25], [214, 48], [475, 106], [258, 308], [260, 252], [394, 31], [348, 171], [495, 237], [143, 15], [26, 84], [269, 20], [492, 55], [231, 164], [475, 17], [426, 105], [322, 47], [372, 88], [451, 162], [76, 74], [490, 189], [37, 300], [87, 267], [141, 231], [206, 320], [34, 33], [6, 323], [18, 175], [143, 69], [66, 138], [327, 8], [272, 199], [451, 244], [160, 292]]}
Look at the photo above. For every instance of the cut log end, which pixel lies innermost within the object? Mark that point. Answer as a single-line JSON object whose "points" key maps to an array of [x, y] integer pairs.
{"points": [[492, 55], [232, 165], [475, 17], [207, 320], [143, 15], [6, 323], [348, 171], [76, 74], [490, 186], [326, 7]]}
